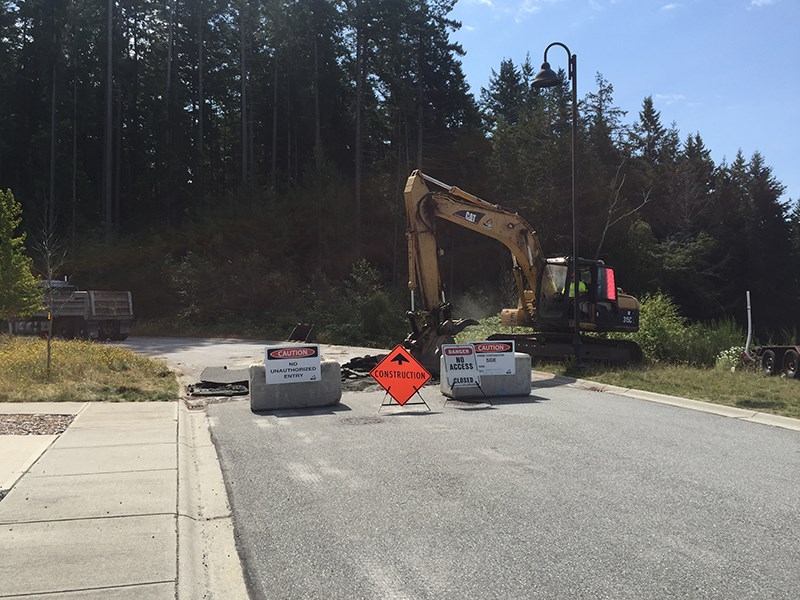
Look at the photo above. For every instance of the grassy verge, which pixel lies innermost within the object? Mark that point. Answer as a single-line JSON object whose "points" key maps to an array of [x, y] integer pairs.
{"points": [[80, 372], [743, 388], [748, 389]]}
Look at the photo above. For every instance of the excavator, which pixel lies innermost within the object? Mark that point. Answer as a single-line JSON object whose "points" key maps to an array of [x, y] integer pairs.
{"points": [[545, 286]]}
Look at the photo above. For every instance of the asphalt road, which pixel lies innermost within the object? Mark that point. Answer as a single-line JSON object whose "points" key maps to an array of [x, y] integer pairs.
{"points": [[189, 356], [568, 493]]}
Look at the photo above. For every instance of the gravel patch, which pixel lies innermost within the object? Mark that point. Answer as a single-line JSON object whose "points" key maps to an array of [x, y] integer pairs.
{"points": [[34, 424]]}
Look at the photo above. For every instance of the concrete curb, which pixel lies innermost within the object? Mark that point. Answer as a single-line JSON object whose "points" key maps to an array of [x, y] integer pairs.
{"points": [[208, 562], [699, 405]]}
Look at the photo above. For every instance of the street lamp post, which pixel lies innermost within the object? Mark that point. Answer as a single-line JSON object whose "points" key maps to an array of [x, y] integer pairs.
{"points": [[546, 77]]}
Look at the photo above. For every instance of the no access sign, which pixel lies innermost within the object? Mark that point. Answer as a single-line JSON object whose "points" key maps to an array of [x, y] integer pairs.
{"points": [[400, 375], [461, 365]]}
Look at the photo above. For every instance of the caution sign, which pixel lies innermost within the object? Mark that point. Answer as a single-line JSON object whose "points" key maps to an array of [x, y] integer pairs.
{"points": [[495, 357], [460, 365], [400, 375], [292, 364]]}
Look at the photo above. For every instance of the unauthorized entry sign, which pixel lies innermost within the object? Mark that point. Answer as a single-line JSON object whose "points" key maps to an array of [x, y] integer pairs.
{"points": [[400, 375], [292, 364]]}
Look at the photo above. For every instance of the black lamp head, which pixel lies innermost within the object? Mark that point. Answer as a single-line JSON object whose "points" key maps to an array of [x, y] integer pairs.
{"points": [[546, 77]]}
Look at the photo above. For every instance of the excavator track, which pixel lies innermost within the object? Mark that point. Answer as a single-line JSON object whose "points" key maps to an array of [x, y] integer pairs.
{"points": [[559, 346]]}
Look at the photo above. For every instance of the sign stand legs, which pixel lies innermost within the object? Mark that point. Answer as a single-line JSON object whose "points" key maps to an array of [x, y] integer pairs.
{"points": [[416, 390], [485, 397]]}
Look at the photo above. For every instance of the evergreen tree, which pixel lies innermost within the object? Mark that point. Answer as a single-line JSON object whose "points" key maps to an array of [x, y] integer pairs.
{"points": [[604, 170], [648, 134], [653, 150], [506, 96], [19, 293], [772, 273]]}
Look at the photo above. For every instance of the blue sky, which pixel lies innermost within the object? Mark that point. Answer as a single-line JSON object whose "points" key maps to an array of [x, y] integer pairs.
{"points": [[729, 69]]}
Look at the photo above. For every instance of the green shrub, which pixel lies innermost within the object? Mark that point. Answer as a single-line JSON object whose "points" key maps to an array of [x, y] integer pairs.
{"points": [[357, 311], [705, 341], [486, 327], [665, 336], [662, 330]]}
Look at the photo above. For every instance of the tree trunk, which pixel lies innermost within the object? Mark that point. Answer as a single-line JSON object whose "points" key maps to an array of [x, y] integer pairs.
{"points": [[317, 126], [167, 189], [117, 167], [243, 77], [200, 101], [358, 150], [108, 200], [74, 156], [273, 175], [51, 205], [419, 125]]}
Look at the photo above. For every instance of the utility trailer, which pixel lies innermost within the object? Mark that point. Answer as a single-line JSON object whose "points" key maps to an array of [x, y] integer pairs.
{"points": [[773, 359], [93, 314], [779, 359]]}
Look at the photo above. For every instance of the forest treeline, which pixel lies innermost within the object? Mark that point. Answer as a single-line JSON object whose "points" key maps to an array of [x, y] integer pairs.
{"points": [[220, 156]]}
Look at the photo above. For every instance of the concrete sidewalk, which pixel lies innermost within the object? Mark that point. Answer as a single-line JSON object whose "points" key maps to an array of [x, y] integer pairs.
{"points": [[128, 502]]}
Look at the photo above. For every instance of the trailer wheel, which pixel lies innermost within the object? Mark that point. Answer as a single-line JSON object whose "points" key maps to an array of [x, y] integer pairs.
{"points": [[768, 362], [791, 364]]}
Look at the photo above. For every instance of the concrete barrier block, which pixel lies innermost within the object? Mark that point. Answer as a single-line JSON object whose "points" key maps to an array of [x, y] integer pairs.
{"points": [[306, 394], [493, 386]]}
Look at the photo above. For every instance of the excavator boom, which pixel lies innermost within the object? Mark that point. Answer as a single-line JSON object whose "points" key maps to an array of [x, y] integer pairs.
{"points": [[541, 294]]}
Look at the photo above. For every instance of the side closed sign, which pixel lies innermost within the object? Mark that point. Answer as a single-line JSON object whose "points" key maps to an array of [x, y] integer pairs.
{"points": [[495, 357]]}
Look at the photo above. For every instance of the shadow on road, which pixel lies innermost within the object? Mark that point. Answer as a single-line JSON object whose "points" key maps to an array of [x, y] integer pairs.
{"points": [[303, 412]]}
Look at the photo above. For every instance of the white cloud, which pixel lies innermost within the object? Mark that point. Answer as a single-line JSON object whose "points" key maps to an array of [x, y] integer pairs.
{"points": [[667, 7], [530, 7], [670, 98], [760, 3]]}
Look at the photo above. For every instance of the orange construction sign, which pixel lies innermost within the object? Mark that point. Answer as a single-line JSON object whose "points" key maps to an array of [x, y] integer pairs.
{"points": [[400, 375]]}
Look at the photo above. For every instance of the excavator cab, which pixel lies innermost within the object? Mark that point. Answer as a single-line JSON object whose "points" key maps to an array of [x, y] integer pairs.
{"points": [[602, 306]]}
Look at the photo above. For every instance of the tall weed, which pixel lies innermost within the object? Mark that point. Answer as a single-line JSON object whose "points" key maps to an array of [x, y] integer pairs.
{"points": [[357, 311], [665, 336]]}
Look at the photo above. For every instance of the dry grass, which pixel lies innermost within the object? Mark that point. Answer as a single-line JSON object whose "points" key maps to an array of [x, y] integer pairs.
{"points": [[80, 371]]}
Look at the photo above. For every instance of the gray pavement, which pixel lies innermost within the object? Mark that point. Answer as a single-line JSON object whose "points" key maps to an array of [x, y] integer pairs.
{"points": [[568, 493], [127, 503]]}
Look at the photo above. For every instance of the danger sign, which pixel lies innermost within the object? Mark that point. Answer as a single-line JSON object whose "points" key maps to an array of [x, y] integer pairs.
{"points": [[292, 364], [460, 365], [400, 375]]}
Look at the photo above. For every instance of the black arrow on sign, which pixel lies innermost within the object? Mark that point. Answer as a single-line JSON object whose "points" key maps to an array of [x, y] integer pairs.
{"points": [[399, 359]]}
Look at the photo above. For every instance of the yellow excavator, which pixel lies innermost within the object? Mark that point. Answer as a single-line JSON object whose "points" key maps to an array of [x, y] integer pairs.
{"points": [[544, 299]]}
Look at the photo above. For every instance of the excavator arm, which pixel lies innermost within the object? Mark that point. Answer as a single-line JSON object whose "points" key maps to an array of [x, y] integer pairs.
{"points": [[427, 199]]}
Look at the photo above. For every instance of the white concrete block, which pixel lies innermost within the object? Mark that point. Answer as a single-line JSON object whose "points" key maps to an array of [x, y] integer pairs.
{"points": [[493, 386], [306, 394]]}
